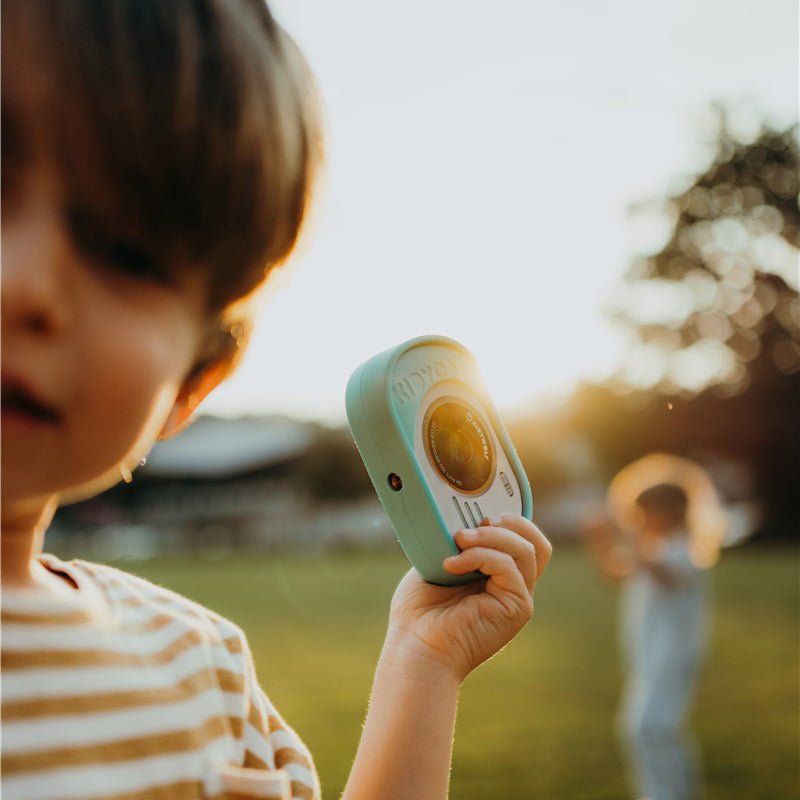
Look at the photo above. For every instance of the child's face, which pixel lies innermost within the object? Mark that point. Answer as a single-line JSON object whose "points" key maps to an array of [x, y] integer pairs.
{"points": [[656, 524], [102, 347]]}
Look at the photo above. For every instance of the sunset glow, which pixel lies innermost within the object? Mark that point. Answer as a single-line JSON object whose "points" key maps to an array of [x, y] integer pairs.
{"points": [[481, 169]]}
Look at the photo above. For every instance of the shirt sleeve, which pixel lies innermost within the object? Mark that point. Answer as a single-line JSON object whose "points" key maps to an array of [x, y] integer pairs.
{"points": [[269, 742]]}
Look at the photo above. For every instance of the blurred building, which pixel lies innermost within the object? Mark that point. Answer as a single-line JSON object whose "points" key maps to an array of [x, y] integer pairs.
{"points": [[222, 485]]}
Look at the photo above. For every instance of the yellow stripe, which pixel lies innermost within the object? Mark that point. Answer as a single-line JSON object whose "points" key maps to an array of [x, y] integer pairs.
{"points": [[135, 598], [21, 618], [302, 791], [122, 749], [255, 718], [254, 761], [155, 623], [201, 681], [186, 607], [275, 724], [288, 755], [25, 659]]}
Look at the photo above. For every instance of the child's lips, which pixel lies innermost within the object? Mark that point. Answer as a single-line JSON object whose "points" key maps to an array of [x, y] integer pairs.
{"points": [[22, 408]]}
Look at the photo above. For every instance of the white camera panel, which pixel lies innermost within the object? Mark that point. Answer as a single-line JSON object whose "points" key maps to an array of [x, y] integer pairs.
{"points": [[490, 490]]}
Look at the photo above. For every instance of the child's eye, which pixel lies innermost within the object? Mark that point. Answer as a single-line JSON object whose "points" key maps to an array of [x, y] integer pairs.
{"points": [[131, 259], [125, 256]]}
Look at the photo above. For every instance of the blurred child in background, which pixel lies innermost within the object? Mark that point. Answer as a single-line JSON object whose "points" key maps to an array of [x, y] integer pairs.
{"points": [[158, 157], [667, 533]]}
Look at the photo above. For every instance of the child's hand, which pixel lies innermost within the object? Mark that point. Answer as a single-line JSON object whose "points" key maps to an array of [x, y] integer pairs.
{"points": [[459, 627], [599, 531]]}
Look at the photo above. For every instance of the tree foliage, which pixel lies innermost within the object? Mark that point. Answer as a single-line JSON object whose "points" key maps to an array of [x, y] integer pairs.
{"points": [[331, 470], [716, 317], [718, 304]]}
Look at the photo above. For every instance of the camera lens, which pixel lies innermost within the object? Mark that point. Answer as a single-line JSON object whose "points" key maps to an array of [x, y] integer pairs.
{"points": [[458, 444]]}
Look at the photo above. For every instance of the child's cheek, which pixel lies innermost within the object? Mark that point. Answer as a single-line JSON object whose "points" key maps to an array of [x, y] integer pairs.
{"points": [[132, 379]]}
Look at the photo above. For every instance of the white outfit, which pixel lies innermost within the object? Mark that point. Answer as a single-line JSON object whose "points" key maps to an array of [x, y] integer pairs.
{"points": [[664, 631]]}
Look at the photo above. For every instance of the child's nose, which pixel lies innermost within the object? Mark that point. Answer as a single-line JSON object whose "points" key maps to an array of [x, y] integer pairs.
{"points": [[36, 285]]}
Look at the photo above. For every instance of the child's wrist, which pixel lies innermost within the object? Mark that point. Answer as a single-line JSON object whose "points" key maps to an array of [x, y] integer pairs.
{"points": [[407, 658]]}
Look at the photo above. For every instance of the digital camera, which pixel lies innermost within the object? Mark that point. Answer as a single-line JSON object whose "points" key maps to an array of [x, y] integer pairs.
{"points": [[435, 448]]}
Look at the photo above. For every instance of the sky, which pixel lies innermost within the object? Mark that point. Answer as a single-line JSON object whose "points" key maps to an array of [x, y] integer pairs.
{"points": [[482, 161]]}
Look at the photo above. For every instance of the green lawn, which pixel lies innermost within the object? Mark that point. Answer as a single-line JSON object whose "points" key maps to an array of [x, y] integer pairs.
{"points": [[537, 720]]}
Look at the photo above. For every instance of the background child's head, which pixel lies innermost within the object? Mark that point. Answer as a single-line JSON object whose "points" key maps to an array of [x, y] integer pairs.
{"points": [[636, 500], [662, 509], [157, 161]]}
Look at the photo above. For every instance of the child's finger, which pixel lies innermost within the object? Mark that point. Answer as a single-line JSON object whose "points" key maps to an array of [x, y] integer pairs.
{"points": [[525, 528], [506, 541], [505, 579]]}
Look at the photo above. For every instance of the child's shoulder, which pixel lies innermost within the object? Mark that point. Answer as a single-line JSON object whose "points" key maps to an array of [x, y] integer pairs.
{"points": [[129, 596]]}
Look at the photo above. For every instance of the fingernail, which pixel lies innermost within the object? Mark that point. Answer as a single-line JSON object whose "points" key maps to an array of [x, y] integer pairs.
{"points": [[494, 521], [468, 533], [450, 559]]}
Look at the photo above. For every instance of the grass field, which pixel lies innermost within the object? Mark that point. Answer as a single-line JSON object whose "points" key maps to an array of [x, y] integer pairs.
{"points": [[536, 721]]}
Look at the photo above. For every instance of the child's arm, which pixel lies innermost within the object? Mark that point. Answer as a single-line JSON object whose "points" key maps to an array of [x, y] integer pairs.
{"points": [[617, 560], [614, 559], [437, 636]]}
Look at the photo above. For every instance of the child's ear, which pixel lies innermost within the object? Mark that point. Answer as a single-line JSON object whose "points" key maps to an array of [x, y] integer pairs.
{"points": [[191, 394]]}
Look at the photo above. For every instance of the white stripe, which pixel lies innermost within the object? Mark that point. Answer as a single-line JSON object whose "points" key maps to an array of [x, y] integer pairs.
{"points": [[75, 730], [54, 609], [193, 615], [66, 681], [260, 699], [256, 742], [285, 738], [130, 615], [300, 773], [100, 780], [153, 595], [153, 600], [139, 614]]}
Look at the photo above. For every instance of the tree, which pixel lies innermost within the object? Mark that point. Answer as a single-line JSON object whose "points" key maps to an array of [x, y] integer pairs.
{"points": [[717, 316], [723, 292], [331, 470]]}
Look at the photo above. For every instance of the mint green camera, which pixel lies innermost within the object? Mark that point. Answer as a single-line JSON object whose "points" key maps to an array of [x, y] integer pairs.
{"points": [[435, 448]]}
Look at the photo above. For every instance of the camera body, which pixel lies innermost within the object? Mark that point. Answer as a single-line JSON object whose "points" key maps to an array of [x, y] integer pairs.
{"points": [[435, 448]]}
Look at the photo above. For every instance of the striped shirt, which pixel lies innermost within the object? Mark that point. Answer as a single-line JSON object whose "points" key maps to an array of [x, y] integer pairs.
{"points": [[125, 690]]}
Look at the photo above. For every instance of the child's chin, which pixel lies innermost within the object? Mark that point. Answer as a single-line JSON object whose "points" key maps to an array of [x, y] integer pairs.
{"points": [[21, 491], [89, 488]]}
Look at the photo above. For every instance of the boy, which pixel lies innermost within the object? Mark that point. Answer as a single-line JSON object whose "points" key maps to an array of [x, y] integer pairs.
{"points": [[663, 614], [157, 162]]}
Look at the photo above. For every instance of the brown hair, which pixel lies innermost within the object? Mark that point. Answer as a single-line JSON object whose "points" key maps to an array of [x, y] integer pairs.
{"points": [[667, 500], [189, 127]]}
